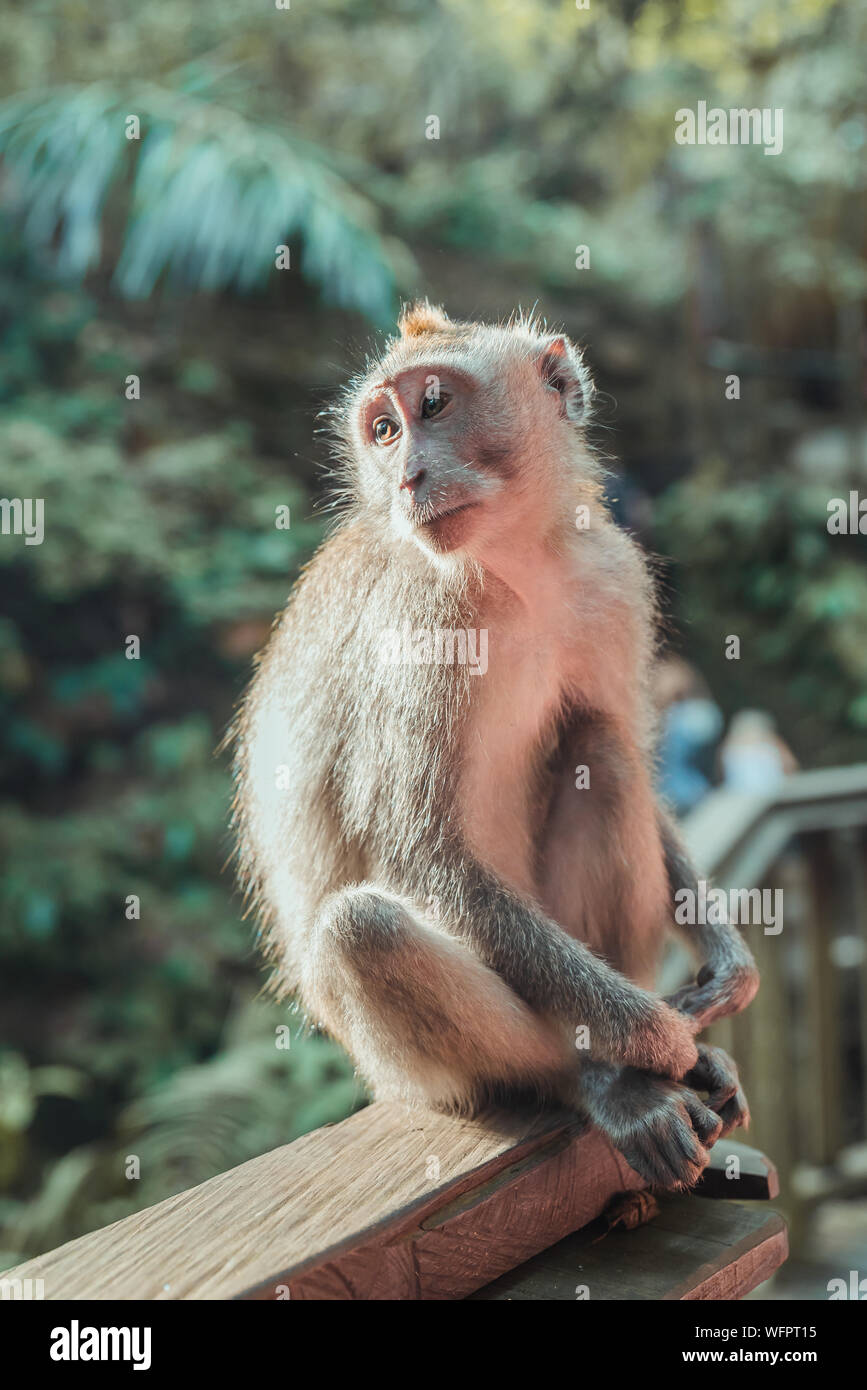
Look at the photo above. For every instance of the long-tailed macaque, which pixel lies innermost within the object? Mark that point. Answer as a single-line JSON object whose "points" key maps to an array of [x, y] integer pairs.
{"points": [[445, 803]]}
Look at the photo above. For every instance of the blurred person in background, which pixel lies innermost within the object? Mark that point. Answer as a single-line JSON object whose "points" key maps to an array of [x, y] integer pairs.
{"points": [[690, 728], [753, 757]]}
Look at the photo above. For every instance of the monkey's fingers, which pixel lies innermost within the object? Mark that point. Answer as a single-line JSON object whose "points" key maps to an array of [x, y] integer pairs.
{"points": [[716, 1073], [670, 1146], [735, 1114], [704, 1120]]}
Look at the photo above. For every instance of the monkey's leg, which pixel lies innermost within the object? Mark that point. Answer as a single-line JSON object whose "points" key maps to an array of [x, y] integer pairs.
{"points": [[602, 876], [421, 1016], [560, 978], [728, 979], [663, 1129]]}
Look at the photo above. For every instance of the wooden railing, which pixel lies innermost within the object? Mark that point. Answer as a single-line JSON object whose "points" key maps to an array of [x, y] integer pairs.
{"points": [[394, 1204], [802, 1045]]}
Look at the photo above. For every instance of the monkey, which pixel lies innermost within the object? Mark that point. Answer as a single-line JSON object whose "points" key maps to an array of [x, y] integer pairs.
{"points": [[473, 922]]}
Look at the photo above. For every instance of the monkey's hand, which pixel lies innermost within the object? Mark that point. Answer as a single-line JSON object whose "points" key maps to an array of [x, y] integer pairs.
{"points": [[716, 1074], [661, 1041], [663, 1130], [717, 992]]}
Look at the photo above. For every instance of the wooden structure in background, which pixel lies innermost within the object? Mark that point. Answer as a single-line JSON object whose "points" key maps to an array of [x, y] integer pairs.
{"points": [[802, 1045]]}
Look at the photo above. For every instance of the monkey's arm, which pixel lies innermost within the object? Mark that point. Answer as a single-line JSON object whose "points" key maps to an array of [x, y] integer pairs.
{"points": [[561, 977], [728, 979]]}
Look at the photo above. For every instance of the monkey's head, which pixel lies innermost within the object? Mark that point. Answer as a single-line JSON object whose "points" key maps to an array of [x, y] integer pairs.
{"points": [[467, 437]]}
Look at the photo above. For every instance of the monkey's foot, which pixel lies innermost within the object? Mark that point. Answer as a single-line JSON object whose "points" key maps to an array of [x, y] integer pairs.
{"points": [[663, 1129]]}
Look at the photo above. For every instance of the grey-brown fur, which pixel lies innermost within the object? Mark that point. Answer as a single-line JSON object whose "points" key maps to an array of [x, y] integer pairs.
{"points": [[431, 883]]}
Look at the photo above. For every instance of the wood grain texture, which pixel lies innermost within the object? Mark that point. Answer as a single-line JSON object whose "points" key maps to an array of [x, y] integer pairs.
{"points": [[352, 1212], [693, 1250]]}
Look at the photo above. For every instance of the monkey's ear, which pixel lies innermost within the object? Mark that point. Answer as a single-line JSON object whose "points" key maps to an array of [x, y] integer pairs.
{"points": [[562, 370], [422, 317]]}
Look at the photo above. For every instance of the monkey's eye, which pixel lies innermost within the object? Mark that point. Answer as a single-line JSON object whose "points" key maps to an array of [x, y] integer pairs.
{"points": [[432, 405], [385, 429]]}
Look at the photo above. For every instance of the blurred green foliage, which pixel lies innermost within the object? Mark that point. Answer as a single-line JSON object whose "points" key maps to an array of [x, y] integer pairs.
{"points": [[752, 561], [210, 198], [122, 1036], [113, 790]]}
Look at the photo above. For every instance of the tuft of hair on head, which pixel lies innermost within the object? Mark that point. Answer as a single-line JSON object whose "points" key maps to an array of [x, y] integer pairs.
{"points": [[422, 317]]}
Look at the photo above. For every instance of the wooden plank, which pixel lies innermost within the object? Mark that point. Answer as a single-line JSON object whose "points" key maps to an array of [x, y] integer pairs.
{"points": [[757, 1178], [693, 1249], [390, 1203]]}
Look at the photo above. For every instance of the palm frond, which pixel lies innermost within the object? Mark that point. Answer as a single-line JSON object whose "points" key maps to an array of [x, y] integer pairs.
{"points": [[204, 197]]}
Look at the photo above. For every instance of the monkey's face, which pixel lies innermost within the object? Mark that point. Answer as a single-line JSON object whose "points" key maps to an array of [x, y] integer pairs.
{"points": [[423, 461], [460, 438]]}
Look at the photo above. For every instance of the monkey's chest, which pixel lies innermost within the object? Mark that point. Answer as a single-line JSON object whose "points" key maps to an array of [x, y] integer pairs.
{"points": [[511, 732]]}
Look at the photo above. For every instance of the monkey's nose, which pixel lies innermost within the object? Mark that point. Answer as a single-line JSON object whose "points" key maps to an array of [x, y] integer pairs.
{"points": [[413, 479]]}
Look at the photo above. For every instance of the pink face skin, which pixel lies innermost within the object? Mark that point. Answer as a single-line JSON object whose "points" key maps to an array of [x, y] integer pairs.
{"points": [[467, 453], [417, 425]]}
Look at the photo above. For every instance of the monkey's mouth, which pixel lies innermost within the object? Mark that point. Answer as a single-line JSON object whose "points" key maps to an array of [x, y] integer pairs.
{"points": [[444, 527], [436, 519]]}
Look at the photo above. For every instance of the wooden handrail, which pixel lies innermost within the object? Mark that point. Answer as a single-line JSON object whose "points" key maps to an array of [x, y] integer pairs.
{"points": [[389, 1204], [734, 836], [806, 837]]}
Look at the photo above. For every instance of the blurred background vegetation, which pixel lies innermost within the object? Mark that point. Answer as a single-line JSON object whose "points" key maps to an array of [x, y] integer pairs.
{"points": [[155, 257]]}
